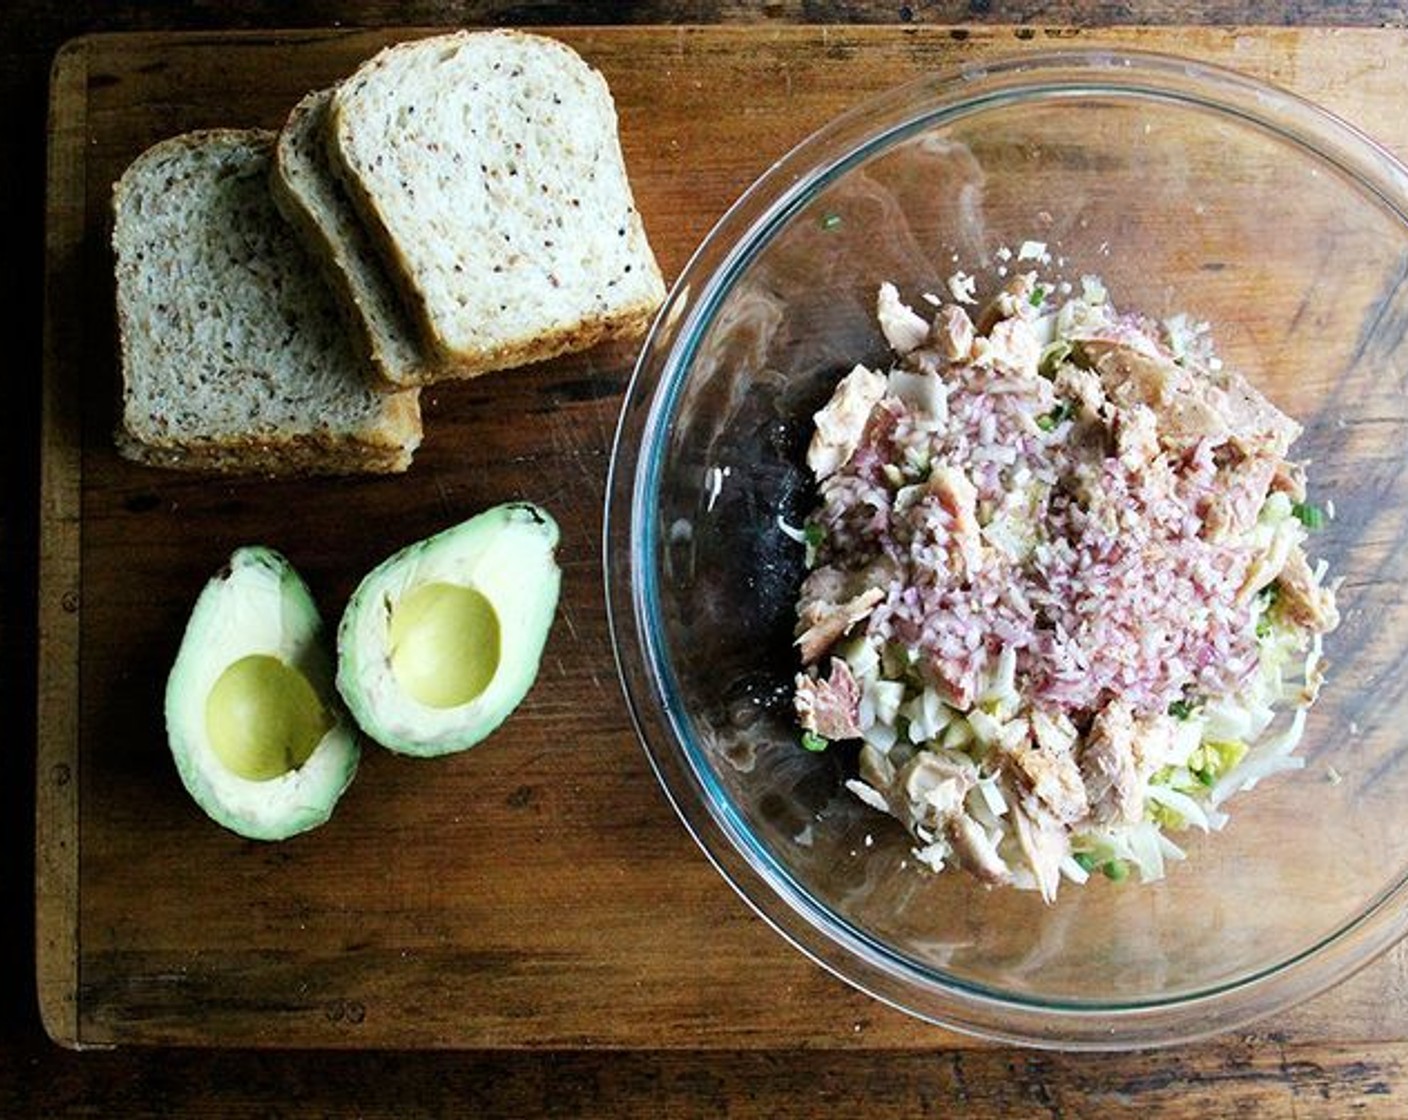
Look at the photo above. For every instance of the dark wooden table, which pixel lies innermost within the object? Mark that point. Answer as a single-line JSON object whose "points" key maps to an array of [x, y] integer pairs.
{"points": [[1263, 1073]]}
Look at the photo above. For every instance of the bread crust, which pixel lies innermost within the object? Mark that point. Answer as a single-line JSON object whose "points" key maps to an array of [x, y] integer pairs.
{"points": [[301, 456]]}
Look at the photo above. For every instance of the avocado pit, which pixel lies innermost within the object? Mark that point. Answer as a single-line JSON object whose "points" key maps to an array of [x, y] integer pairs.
{"points": [[263, 718], [444, 644]]}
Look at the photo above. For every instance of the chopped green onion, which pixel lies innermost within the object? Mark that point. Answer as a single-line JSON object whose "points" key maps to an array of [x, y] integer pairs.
{"points": [[1206, 777], [1052, 356], [813, 537], [1181, 709], [1311, 516], [1270, 593], [1058, 415], [1037, 297], [831, 221], [1263, 627], [1111, 867], [814, 742]]}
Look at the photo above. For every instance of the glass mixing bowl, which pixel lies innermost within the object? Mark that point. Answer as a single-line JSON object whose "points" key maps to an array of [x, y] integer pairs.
{"points": [[1187, 189]]}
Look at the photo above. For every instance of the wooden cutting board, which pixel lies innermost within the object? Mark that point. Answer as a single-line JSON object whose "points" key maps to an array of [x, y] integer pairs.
{"points": [[537, 891]]}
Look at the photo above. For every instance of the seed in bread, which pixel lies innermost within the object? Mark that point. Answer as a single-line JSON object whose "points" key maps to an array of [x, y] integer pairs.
{"points": [[235, 356], [488, 168]]}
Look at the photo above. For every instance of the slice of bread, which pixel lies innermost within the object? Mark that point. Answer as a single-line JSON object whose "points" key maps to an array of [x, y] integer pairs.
{"points": [[488, 168], [314, 201], [235, 356]]}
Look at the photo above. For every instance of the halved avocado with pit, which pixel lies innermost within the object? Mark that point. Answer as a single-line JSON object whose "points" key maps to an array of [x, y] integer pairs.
{"points": [[441, 641], [254, 722]]}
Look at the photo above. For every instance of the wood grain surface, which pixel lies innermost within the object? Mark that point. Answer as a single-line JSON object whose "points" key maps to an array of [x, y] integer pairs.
{"points": [[1249, 1077], [536, 892], [1341, 1055]]}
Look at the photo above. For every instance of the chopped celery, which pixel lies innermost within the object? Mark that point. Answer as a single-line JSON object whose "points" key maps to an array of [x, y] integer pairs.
{"points": [[1219, 756], [1164, 815], [1116, 870], [814, 742], [1277, 508], [1311, 516], [916, 462]]}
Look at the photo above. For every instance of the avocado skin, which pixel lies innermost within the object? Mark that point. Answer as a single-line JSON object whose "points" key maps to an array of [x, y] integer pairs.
{"points": [[508, 553]]}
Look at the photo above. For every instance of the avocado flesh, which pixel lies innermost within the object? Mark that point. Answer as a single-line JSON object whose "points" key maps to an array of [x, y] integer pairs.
{"points": [[253, 719], [442, 641]]}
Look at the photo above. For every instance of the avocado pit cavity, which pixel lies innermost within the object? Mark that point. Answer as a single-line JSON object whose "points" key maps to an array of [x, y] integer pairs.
{"points": [[263, 718], [445, 644]]}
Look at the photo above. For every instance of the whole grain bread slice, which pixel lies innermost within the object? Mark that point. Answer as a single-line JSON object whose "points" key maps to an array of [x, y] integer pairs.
{"points": [[488, 168], [235, 356], [314, 201]]}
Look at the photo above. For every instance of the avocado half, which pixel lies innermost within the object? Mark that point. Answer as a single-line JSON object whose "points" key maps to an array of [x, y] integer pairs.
{"points": [[440, 642], [253, 719]]}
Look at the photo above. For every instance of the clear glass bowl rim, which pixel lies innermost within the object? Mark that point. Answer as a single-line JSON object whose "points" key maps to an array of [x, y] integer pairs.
{"points": [[630, 546]]}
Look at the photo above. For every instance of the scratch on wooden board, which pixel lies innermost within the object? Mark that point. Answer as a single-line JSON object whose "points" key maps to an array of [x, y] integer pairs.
{"points": [[1379, 324], [569, 447], [443, 493], [567, 621], [960, 1078], [1286, 1079], [606, 429]]}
